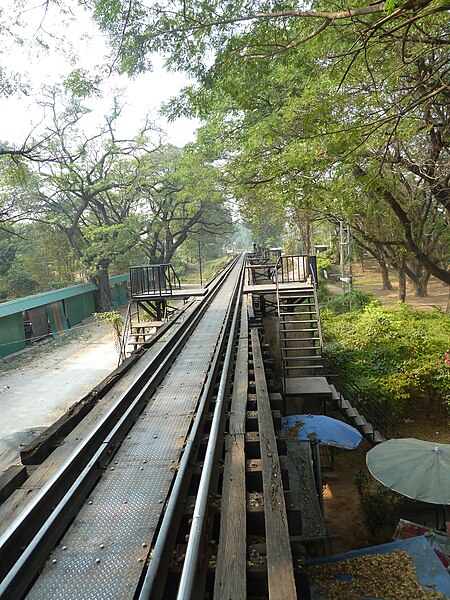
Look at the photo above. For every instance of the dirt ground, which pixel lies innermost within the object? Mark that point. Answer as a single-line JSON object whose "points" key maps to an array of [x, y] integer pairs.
{"points": [[369, 280], [39, 383], [341, 501]]}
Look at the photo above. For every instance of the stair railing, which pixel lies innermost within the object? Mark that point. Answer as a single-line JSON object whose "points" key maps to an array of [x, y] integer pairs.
{"points": [[316, 305], [292, 268], [125, 334], [368, 408]]}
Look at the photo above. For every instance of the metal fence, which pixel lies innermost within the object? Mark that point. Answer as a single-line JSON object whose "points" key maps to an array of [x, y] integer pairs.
{"points": [[153, 280]]}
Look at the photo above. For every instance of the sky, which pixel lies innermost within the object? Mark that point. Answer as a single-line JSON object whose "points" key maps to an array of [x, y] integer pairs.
{"points": [[140, 96]]}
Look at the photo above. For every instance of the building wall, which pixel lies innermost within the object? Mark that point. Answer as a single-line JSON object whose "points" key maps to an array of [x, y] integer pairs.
{"points": [[12, 334], [119, 294], [78, 302], [79, 307]]}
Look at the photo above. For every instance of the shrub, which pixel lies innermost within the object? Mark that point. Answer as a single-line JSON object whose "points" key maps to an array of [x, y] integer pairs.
{"points": [[113, 318], [377, 503], [396, 355], [350, 300]]}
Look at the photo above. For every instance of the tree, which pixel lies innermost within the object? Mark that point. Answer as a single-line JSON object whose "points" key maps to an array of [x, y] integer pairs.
{"points": [[194, 33], [110, 196], [182, 197], [301, 99], [82, 189]]}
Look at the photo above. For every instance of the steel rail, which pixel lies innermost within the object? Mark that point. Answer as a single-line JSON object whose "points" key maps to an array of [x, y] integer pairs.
{"points": [[155, 578], [28, 535], [190, 566]]}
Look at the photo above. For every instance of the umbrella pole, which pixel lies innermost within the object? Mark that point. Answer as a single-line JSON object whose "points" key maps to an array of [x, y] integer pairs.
{"points": [[318, 475]]}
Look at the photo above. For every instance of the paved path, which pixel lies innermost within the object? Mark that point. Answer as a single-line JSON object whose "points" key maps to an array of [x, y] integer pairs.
{"points": [[49, 378]]}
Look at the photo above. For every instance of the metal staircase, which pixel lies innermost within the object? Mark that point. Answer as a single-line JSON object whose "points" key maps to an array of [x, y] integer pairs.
{"points": [[299, 321], [367, 415], [137, 329], [151, 288]]}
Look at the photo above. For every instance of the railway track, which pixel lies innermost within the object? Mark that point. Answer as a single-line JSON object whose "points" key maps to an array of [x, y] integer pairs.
{"points": [[173, 487]]}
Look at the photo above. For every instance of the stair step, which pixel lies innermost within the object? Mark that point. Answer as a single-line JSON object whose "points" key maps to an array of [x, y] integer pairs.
{"points": [[297, 330], [368, 428], [298, 320], [351, 412], [301, 339], [378, 438], [303, 367], [335, 395], [345, 403], [301, 348], [359, 421], [306, 357]]}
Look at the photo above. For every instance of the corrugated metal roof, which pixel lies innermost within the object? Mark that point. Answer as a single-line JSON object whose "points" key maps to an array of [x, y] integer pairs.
{"points": [[14, 306], [21, 304]]}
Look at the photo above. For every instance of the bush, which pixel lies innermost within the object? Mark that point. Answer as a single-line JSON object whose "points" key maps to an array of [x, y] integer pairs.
{"points": [[377, 503], [396, 355], [350, 300], [323, 264], [16, 284]]}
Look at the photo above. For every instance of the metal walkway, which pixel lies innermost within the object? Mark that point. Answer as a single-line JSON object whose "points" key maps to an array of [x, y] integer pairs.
{"points": [[108, 543]]}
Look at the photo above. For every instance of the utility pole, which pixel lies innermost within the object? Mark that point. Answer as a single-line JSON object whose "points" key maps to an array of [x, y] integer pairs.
{"points": [[345, 255], [342, 245]]}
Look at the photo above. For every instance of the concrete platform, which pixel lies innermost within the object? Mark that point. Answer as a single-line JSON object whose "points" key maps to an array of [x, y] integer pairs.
{"points": [[271, 288], [186, 291], [308, 386]]}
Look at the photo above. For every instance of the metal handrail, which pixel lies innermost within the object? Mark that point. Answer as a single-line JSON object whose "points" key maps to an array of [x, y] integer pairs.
{"points": [[359, 399], [153, 279], [293, 268], [316, 304], [125, 334]]}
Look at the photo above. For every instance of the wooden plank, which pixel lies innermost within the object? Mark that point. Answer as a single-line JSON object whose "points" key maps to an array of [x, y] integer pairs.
{"points": [[14, 476], [146, 324], [280, 569], [231, 572]]}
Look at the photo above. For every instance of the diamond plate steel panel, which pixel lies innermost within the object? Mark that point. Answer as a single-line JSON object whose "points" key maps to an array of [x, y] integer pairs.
{"points": [[103, 553]]}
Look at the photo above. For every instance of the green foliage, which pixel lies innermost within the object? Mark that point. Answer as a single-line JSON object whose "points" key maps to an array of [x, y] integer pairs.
{"points": [[80, 84], [396, 355], [377, 503], [306, 118], [17, 283], [354, 301]]}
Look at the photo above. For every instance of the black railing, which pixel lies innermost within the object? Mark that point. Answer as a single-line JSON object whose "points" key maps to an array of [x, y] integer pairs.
{"points": [[373, 412], [292, 268], [153, 280]]}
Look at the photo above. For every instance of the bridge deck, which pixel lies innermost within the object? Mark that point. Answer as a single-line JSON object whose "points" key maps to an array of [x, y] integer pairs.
{"points": [[107, 546]]}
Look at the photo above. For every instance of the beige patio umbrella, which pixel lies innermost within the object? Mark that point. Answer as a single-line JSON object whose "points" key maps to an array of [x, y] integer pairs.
{"points": [[414, 468]]}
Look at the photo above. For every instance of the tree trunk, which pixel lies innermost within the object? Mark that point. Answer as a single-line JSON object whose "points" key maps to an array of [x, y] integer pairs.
{"points": [[421, 287], [387, 285], [401, 284], [420, 283], [103, 293], [405, 222]]}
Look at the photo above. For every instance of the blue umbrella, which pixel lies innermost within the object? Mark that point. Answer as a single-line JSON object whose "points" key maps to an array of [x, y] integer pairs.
{"points": [[321, 429]]}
